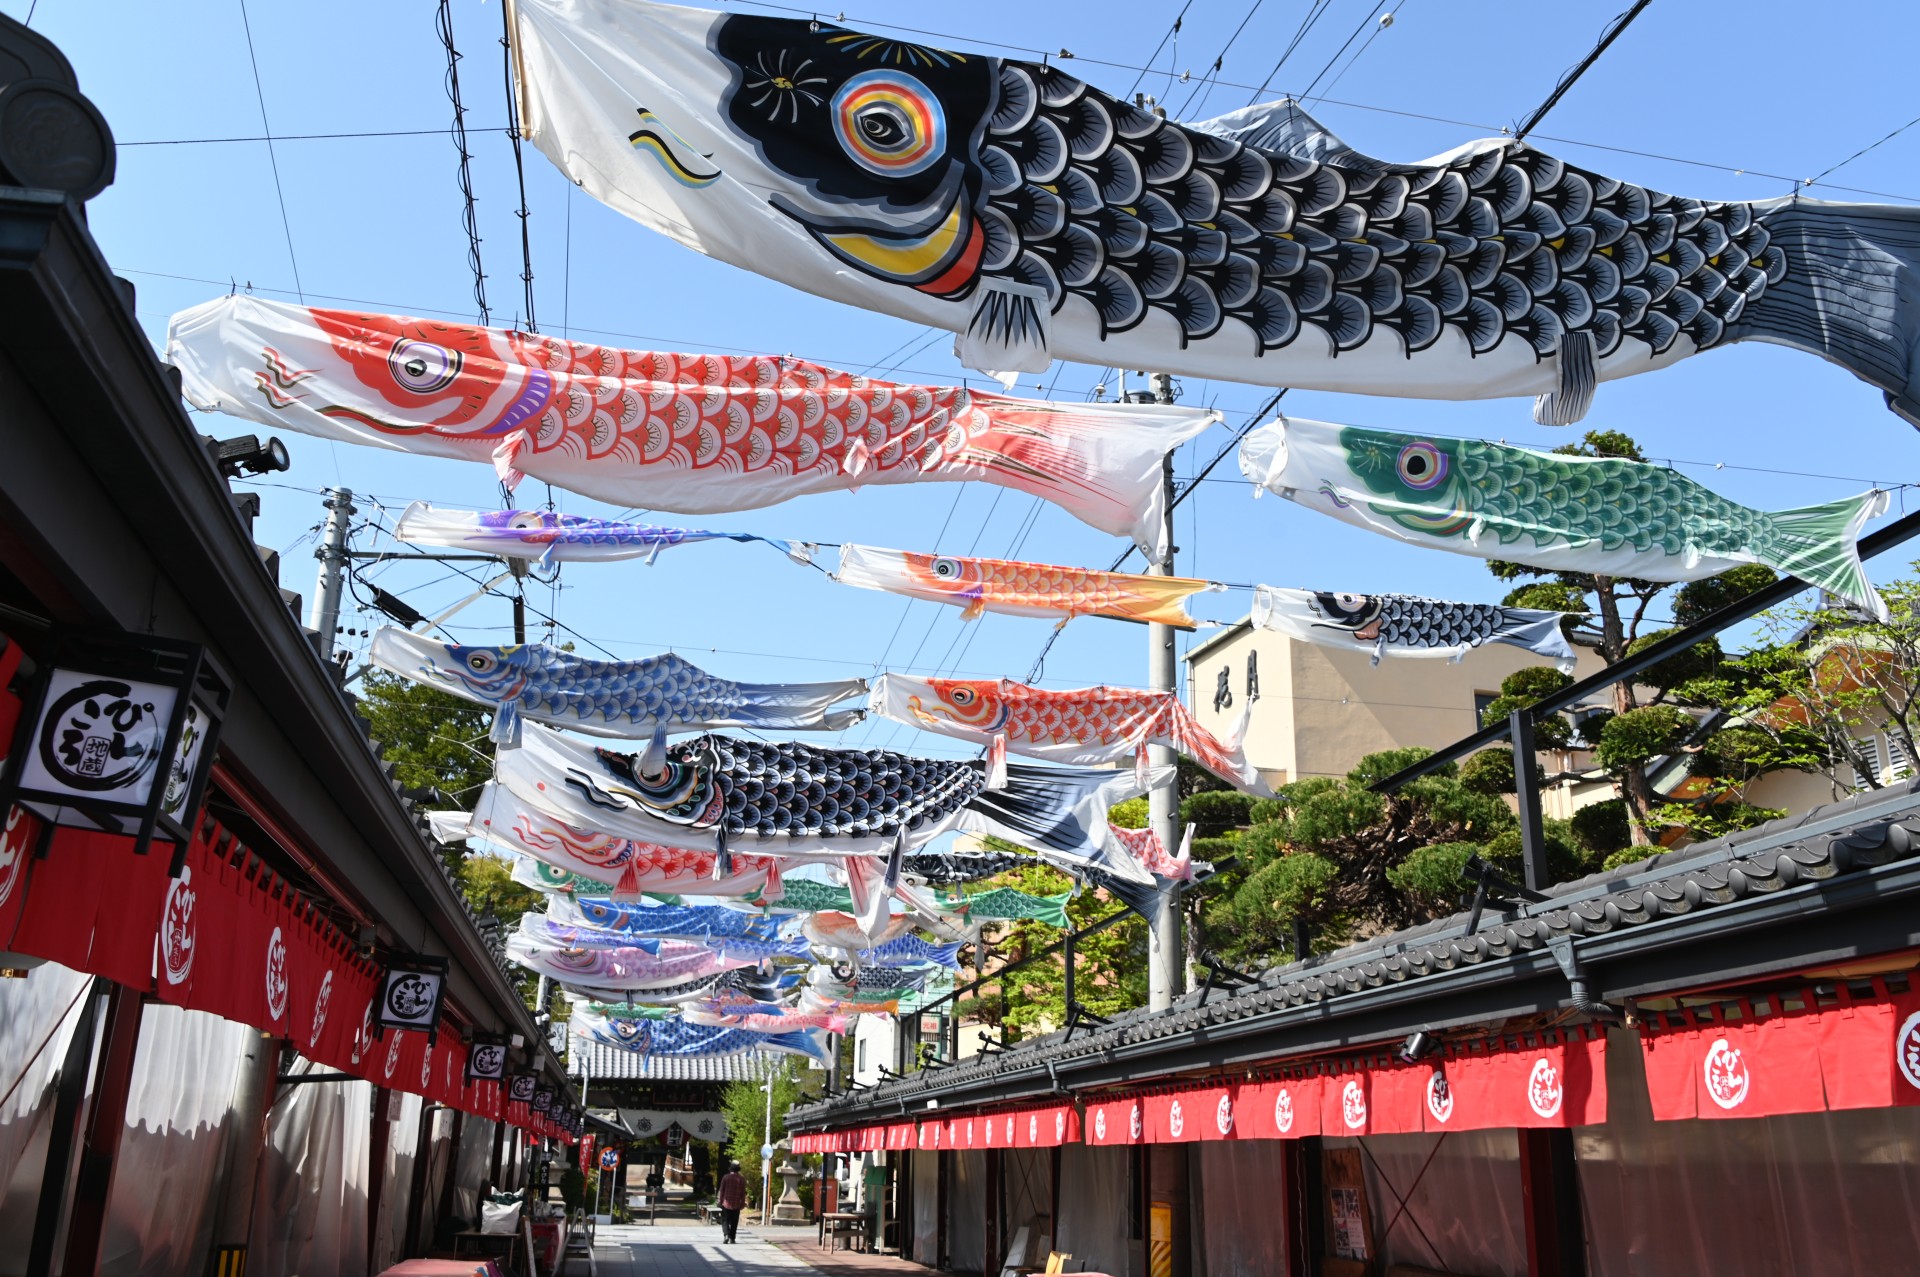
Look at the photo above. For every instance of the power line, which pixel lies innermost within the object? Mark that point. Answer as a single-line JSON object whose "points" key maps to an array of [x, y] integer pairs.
{"points": [[1385, 22], [282, 137], [444, 20], [1208, 80], [519, 163], [273, 161], [1612, 33], [1358, 28], [1173, 33], [1307, 23], [1863, 150]]}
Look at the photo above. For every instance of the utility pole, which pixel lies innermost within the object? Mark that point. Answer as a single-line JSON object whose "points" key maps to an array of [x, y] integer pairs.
{"points": [[1165, 967], [332, 553]]}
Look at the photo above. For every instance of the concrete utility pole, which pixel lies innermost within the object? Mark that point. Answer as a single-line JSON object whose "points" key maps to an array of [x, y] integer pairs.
{"points": [[1165, 967], [324, 616]]}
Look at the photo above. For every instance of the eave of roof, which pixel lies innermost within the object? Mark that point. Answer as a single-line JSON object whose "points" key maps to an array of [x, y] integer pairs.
{"points": [[1832, 885], [68, 326]]}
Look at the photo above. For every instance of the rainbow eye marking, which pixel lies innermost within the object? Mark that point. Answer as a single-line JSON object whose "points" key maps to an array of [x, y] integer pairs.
{"points": [[946, 569], [889, 123], [422, 367], [1422, 466]]}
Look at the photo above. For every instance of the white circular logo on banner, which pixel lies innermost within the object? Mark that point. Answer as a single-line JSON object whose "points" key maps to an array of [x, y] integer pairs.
{"points": [[1060, 1126], [320, 1001], [1906, 1048], [1223, 1114], [1724, 1070], [1176, 1120], [393, 1054], [1544, 1092], [176, 928], [970, 1125], [1133, 1121], [10, 852], [363, 1040], [1009, 1128], [1439, 1097], [276, 975], [1353, 1104], [426, 1066], [1033, 1128], [1100, 1124], [1283, 1110]]}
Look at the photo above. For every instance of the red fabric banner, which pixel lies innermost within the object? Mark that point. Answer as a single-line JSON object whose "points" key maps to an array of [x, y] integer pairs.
{"points": [[1344, 1108], [1186, 1116], [19, 834], [1047, 1127], [1286, 1109], [1120, 1121], [1397, 1099]]}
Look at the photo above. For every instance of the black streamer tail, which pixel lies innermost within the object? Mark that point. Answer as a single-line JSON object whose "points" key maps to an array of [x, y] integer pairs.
{"points": [[1851, 293]]}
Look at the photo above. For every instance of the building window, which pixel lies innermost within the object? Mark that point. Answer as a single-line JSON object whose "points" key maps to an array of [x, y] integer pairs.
{"points": [[1480, 702], [860, 1055]]}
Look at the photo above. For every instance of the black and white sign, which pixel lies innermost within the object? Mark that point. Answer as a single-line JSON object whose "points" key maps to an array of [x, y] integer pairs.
{"points": [[520, 1089], [486, 1060], [410, 993]]}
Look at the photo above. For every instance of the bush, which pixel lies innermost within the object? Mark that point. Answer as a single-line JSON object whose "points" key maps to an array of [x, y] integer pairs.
{"points": [[1214, 812], [1388, 761], [1131, 814], [1214, 850], [1699, 661], [1431, 875], [1531, 682], [1629, 856], [1696, 600], [573, 1187], [1296, 882], [1265, 809], [1601, 828], [1642, 734], [1489, 772]]}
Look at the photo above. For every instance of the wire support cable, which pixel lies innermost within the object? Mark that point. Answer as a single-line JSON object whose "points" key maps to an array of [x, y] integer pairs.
{"points": [[273, 161], [444, 22], [1620, 23], [519, 160]]}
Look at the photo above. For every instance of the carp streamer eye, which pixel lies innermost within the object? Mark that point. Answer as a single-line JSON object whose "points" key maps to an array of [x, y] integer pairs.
{"points": [[1422, 466], [1350, 602], [961, 696], [527, 519], [946, 569], [889, 123], [422, 367], [482, 662]]}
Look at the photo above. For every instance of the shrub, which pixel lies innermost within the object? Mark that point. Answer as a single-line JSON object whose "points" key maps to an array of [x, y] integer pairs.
{"points": [[1296, 882], [1214, 812], [1529, 683], [1388, 761], [1431, 875], [1488, 772], [1629, 856], [1601, 828], [1642, 734], [1698, 661], [1131, 814]]}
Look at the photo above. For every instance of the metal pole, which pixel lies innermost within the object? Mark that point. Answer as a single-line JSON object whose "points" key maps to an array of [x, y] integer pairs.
{"points": [[332, 553], [1533, 842], [1164, 967]]}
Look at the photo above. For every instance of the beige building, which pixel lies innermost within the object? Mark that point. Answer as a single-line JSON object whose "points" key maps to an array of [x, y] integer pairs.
{"points": [[1323, 709]]}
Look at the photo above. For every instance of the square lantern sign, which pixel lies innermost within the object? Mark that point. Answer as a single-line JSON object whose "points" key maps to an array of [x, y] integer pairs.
{"points": [[411, 989], [121, 732], [487, 1058], [521, 1088]]}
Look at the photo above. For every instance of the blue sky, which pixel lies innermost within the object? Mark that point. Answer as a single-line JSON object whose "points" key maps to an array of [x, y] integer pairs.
{"points": [[1735, 91]]}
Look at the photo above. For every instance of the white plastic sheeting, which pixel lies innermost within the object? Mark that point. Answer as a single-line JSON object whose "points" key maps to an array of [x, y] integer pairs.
{"points": [[1815, 1193], [1093, 1208], [37, 1019], [471, 1167], [926, 1207], [1451, 1202], [967, 1212], [1026, 1185], [1241, 1202], [166, 1181], [310, 1200], [396, 1194]]}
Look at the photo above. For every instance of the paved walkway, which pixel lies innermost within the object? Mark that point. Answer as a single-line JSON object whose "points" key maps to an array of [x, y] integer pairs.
{"points": [[686, 1249]]}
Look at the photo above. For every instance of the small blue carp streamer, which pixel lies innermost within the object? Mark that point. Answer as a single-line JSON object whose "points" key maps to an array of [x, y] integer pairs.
{"points": [[679, 1038], [633, 699], [663, 922]]}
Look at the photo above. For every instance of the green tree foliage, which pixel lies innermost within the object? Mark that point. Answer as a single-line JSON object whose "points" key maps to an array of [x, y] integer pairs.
{"points": [[745, 1105], [1214, 812], [1329, 852], [1522, 688], [1110, 967]]}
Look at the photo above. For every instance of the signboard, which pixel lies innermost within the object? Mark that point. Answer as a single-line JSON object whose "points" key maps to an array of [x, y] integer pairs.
{"points": [[609, 1159]]}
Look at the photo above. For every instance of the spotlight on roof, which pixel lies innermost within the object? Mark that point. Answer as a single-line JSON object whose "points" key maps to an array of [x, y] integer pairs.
{"points": [[247, 455], [1419, 1043]]}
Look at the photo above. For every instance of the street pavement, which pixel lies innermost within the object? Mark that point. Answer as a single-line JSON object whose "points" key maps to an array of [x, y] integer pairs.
{"points": [[682, 1248]]}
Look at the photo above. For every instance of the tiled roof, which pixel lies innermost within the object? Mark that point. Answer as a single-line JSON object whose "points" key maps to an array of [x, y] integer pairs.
{"points": [[607, 1063], [1685, 889]]}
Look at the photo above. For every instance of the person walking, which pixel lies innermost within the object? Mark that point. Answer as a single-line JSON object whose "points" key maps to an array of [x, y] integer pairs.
{"points": [[733, 1200]]}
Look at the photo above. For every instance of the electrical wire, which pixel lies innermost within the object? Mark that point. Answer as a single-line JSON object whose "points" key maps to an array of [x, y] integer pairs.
{"points": [[470, 219], [1361, 26], [519, 162], [1620, 23], [1307, 23], [1173, 33], [1209, 80], [273, 161], [1862, 151]]}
